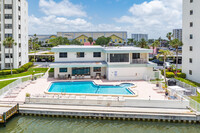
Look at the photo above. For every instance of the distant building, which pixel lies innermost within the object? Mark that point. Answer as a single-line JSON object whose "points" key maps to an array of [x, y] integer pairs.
{"points": [[177, 34], [138, 37], [82, 37], [14, 23], [191, 40], [43, 39]]}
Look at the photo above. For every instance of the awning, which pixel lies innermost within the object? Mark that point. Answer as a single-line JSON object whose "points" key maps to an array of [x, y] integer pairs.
{"points": [[77, 64]]}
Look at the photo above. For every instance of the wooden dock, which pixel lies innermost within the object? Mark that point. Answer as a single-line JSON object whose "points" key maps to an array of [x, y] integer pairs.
{"points": [[7, 111]]}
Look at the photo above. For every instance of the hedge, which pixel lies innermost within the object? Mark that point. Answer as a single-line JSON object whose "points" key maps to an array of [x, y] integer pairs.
{"points": [[7, 72], [27, 66], [23, 68], [170, 75], [181, 75]]}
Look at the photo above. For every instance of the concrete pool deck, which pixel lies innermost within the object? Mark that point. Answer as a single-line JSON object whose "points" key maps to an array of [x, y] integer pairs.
{"points": [[144, 89]]}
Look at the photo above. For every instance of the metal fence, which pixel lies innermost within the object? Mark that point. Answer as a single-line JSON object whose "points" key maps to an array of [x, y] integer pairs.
{"points": [[18, 82]]}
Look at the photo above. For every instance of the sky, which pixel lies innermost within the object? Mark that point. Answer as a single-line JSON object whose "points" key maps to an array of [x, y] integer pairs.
{"points": [[153, 17]]}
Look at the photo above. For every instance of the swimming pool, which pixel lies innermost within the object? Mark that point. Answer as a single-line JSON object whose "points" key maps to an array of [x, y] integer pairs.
{"points": [[89, 87]]}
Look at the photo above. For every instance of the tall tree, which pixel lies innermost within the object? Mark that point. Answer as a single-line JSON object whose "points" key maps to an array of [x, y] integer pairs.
{"points": [[9, 43], [33, 42], [175, 43], [165, 54], [169, 36], [142, 43], [90, 39], [75, 42], [155, 44]]}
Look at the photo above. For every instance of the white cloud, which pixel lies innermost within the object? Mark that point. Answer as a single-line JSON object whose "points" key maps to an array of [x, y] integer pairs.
{"points": [[63, 8], [156, 17]]}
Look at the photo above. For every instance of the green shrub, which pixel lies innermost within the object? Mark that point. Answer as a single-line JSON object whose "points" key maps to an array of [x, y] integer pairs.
{"points": [[20, 70], [7, 72], [51, 70], [27, 66], [170, 75], [181, 75]]}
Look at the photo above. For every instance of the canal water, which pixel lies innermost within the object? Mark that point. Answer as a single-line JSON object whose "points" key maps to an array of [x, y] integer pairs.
{"points": [[29, 124]]}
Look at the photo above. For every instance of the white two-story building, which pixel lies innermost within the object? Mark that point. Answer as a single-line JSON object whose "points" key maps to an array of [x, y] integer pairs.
{"points": [[112, 63]]}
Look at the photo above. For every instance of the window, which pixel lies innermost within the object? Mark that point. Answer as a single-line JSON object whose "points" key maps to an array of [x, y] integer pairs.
{"points": [[8, 35], [97, 69], [20, 45], [84, 40], [63, 70], [80, 71], [191, 36], [80, 54], [191, 48], [80, 40], [97, 54], [191, 24], [19, 17], [7, 56], [119, 57], [191, 1], [19, 8], [8, 26], [191, 12], [63, 55], [190, 72], [19, 35], [115, 40], [7, 65], [19, 27], [20, 63], [8, 16], [190, 60], [136, 56], [8, 6], [20, 54]]}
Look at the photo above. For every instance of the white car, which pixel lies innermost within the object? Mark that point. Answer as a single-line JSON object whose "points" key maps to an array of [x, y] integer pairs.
{"points": [[167, 65]]}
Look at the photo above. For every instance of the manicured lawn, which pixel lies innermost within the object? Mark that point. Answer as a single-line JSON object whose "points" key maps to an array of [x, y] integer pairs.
{"points": [[5, 83], [196, 98], [29, 72]]}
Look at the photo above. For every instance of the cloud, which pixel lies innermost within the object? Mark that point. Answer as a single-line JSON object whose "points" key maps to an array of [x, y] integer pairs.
{"points": [[156, 17], [62, 8]]}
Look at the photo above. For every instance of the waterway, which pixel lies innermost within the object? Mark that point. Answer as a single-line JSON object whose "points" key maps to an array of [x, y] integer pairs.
{"points": [[30, 124]]}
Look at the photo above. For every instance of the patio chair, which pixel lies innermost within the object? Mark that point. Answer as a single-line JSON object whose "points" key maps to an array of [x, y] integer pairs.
{"points": [[75, 76], [97, 76], [83, 76]]}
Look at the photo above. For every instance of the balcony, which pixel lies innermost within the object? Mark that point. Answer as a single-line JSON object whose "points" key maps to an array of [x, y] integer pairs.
{"points": [[139, 61]]}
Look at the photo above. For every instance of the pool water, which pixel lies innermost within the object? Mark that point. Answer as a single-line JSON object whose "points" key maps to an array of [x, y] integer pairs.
{"points": [[89, 88]]}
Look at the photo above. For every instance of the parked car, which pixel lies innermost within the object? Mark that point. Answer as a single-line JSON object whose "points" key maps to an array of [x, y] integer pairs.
{"points": [[167, 65], [160, 63]]}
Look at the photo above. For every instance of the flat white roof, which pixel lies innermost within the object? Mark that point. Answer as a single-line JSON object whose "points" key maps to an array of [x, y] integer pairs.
{"points": [[113, 49]]}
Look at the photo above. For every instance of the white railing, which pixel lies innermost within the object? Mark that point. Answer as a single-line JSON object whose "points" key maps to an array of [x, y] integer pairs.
{"points": [[139, 61], [19, 81]]}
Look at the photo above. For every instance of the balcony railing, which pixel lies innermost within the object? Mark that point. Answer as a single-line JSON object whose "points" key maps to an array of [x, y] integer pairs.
{"points": [[139, 61]]}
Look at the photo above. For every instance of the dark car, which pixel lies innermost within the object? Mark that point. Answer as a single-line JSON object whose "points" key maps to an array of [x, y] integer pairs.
{"points": [[160, 63]]}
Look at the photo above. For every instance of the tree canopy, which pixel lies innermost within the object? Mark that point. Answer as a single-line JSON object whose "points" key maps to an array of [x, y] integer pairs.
{"points": [[59, 41], [103, 40]]}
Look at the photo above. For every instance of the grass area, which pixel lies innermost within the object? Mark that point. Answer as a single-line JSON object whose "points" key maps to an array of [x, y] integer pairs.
{"points": [[29, 72], [194, 84], [5, 83]]}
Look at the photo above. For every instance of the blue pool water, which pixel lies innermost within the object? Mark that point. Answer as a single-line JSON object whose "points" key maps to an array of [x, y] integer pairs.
{"points": [[89, 88]]}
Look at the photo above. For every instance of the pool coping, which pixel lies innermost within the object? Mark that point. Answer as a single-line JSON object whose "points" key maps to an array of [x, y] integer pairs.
{"points": [[130, 89]]}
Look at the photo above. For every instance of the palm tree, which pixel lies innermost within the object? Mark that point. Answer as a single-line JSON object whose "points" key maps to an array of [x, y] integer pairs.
{"points": [[131, 40], [9, 42], [90, 39], [155, 44], [142, 43], [33, 43], [169, 36], [175, 43], [164, 53]]}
